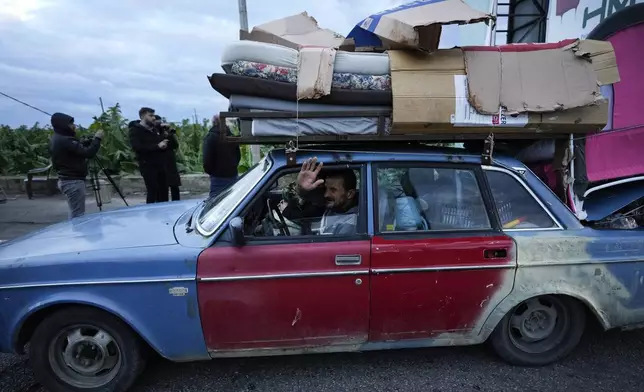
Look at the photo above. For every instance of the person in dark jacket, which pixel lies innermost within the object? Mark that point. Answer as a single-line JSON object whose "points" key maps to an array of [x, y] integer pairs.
{"points": [[220, 159], [69, 158], [172, 173], [150, 147]]}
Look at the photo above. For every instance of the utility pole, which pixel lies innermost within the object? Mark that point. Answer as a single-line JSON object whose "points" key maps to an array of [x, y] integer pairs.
{"points": [[243, 18], [243, 30]]}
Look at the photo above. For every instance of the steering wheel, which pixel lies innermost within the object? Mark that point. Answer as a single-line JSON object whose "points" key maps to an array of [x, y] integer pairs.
{"points": [[282, 223]]}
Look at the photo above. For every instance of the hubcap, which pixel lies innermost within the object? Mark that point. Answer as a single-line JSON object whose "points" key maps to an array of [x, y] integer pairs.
{"points": [[539, 324], [85, 356]]}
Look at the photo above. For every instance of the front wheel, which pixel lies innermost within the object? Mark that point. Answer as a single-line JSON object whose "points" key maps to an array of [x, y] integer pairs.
{"points": [[539, 331], [85, 349]]}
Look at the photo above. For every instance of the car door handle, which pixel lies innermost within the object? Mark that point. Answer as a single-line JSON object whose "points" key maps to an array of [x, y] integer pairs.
{"points": [[348, 259], [495, 253]]}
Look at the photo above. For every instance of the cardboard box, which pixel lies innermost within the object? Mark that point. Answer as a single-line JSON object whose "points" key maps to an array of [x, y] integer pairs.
{"points": [[538, 78], [315, 72], [430, 94], [294, 32], [414, 25]]}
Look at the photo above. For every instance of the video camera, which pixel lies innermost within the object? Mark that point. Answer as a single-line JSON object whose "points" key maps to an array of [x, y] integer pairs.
{"points": [[167, 128], [86, 140]]}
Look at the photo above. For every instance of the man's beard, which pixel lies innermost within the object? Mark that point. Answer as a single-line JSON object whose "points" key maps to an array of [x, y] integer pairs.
{"points": [[336, 206]]}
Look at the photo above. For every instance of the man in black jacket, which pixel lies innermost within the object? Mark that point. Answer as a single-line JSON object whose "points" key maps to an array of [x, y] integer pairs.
{"points": [[173, 178], [69, 159], [220, 159], [150, 147]]}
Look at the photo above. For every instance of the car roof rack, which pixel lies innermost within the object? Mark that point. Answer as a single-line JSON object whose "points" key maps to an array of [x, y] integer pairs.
{"points": [[292, 143]]}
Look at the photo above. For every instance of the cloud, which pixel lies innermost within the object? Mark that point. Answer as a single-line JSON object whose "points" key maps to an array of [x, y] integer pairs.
{"points": [[62, 55]]}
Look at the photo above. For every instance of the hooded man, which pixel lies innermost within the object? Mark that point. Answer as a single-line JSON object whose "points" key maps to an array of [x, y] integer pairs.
{"points": [[173, 178], [69, 159], [150, 147], [220, 159]]}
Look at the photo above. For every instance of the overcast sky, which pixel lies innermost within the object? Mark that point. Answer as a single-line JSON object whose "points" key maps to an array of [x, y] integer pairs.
{"points": [[61, 55]]}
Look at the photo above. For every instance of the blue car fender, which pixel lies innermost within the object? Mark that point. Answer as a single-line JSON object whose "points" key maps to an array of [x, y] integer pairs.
{"points": [[163, 314]]}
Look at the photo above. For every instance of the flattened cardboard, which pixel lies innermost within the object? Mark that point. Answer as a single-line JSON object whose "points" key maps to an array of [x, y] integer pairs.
{"points": [[430, 95], [295, 32], [415, 25], [538, 78], [315, 72], [592, 117], [602, 57]]}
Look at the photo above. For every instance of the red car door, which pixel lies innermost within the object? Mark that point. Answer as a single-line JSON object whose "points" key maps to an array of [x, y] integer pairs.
{"points": [[286, 292], [447, 271], [277, 296]]}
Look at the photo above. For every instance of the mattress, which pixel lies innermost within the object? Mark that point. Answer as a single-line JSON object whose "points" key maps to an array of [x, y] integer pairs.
{"points": [[228, 84], [289, 75], [359, 63], [250, 102], [316, 126], [305, 126]]}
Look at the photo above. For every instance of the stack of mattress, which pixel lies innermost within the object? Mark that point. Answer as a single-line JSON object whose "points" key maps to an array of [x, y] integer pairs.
{"points": [[260, 76]]}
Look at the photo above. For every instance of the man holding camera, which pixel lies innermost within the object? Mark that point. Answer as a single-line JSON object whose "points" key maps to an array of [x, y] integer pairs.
{"points": [[172, 173], [150, 146], [69, 157]]}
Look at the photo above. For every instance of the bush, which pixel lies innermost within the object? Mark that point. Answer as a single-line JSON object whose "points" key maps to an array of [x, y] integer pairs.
{"points": [[23, 148]]}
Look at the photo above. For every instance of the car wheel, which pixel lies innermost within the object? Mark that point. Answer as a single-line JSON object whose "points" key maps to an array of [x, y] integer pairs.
{"points": [[540, 331], [85, 349]]}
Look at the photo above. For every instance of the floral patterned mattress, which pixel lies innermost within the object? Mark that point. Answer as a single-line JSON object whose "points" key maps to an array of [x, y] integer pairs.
{"points": [[289, 75]]}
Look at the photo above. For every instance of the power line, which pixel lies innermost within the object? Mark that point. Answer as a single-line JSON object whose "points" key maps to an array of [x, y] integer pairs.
{"points": [[24, 103]]}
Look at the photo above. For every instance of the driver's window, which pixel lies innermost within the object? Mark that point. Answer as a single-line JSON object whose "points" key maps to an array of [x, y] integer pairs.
{"points": [[331, 209]]}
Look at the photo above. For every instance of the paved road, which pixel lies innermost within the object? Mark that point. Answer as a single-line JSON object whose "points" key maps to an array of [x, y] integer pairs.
{"points": [[604, 362]]}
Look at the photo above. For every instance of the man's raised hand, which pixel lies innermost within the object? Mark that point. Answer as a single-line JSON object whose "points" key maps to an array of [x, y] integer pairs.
{"points": [[307, 178]]}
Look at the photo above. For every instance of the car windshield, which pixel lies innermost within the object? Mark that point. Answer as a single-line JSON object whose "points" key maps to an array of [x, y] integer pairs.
{"points": [[217, 208]]}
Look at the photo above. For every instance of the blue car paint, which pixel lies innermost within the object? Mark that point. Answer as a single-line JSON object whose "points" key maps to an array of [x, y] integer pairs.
{"points": [[150, 249], [125, 261], [605, 202]]}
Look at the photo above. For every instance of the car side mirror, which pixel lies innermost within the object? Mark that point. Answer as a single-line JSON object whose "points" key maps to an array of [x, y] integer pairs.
{"points": [[236, 227]]}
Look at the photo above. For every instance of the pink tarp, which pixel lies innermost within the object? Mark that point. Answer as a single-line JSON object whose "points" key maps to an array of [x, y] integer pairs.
{"points": [[618, 153]]}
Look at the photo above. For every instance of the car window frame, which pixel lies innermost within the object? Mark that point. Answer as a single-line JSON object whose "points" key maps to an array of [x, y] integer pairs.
{"points": [[362, 225], [486, 196], [516, 177]]}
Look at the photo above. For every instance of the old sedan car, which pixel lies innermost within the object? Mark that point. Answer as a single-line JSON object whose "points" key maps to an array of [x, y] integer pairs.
{"points": [[444, 251]]}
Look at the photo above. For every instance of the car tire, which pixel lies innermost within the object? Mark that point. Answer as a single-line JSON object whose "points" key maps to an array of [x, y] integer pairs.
{"points": [[68, 349], [540, 331]]}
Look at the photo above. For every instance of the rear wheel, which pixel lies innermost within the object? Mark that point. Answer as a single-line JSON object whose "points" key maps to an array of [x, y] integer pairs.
{"points": [[540, 331], [85, 349]]}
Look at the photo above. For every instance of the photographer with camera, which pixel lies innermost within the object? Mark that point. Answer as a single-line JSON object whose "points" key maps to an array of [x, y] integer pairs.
{"points": [[150, 147], [69, 157], [172, 173]]}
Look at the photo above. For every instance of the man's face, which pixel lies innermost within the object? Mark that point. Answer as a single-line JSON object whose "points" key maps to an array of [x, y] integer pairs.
{"points": [[335, 195], [148, 118]]}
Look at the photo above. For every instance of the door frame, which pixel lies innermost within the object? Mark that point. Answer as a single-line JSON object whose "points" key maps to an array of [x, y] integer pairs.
{"points": [[481, 180], [362, 271], [362, 228]]}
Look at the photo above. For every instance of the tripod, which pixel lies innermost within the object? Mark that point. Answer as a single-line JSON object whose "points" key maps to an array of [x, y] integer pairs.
{"points": [[95, 167]]}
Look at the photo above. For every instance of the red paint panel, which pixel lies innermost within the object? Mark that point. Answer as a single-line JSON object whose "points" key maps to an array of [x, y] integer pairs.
{"points": [[421, 304], [283, 312]]}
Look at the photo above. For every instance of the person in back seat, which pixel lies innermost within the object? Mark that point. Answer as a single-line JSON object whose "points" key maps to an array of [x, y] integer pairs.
{"points": [[340, 213]]}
